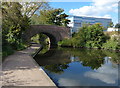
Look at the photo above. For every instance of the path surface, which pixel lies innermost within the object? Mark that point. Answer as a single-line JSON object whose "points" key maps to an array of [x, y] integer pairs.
{"points": [[20, 69]]}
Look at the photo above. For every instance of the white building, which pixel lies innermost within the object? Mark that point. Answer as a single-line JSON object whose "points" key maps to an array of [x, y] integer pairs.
{"points": [[112, 29], [78, 21]]}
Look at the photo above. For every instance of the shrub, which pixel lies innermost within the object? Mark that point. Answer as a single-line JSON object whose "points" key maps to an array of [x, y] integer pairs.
{"points": [[90, 36], [110, 44], [7, 50], [113, 43], [65, 42]]}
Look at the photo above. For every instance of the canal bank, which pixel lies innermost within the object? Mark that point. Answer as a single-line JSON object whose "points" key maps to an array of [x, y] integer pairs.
{"points": [[20, 69]]}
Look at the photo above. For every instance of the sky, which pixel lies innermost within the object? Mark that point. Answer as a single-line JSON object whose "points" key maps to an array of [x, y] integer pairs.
{"points": [[90, 8]]}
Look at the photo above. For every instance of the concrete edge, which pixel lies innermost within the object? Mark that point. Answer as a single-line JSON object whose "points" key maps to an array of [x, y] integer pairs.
{"points": [[39, 68]]}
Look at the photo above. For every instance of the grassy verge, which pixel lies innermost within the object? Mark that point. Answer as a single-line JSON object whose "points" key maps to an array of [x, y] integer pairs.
{"points": [[9, 50]]}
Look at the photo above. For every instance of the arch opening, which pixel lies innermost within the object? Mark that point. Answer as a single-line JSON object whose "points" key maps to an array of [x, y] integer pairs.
{"points": [[44, 38], [53, 41]]}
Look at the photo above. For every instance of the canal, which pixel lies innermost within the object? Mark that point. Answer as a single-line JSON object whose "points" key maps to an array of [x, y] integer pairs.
{"points": [[80, 67]]}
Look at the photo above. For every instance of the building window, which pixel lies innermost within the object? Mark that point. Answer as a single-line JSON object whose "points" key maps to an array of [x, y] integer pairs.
{"points": [[77, 24]]}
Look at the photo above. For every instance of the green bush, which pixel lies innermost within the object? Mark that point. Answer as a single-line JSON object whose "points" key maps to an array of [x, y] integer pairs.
{"points": [[112, 43], [20, 46], [65, 42], [90, 36], [7, 50]]}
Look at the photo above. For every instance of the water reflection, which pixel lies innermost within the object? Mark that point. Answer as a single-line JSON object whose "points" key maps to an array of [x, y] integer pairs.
{"points": [[80, 67]]}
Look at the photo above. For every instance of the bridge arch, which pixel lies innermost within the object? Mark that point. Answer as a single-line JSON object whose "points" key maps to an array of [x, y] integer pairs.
{"points": [[53, 40], [55, 33]]}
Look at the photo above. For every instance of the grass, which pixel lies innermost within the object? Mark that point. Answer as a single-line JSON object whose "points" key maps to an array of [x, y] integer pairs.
{"points": [[7, 50]]}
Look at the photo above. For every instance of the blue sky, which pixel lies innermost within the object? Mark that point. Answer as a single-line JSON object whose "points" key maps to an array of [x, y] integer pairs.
{"points": [[96, 8], [67, 6]]}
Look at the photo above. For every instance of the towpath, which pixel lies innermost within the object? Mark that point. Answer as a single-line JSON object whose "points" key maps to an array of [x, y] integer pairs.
{"points": [[20, 69]]}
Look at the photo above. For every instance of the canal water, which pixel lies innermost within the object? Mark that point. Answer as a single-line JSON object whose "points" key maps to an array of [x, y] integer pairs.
{"points": [[80, 67]]}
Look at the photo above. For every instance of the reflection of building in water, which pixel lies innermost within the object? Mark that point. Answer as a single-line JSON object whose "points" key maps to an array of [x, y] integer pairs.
{"points": [[108, 60], [74, 59]]}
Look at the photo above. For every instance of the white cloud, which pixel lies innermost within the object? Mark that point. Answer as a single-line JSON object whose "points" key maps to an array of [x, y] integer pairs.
{"points": [[105, 74], [107, 16], [68, 82], [98, 8]]}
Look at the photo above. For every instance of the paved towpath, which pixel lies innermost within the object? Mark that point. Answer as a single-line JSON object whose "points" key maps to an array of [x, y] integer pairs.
{"points": [[20, 69]]}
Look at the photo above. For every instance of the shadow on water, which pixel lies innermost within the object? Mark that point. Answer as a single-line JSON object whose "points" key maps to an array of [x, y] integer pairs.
{"points": [[80, 67]]}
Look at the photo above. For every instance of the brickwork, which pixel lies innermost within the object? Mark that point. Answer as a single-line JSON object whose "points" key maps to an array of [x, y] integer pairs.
{"points": [[55, 33]]}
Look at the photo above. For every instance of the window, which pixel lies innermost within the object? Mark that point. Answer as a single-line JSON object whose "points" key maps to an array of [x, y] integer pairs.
{"points": [[77, 24]]}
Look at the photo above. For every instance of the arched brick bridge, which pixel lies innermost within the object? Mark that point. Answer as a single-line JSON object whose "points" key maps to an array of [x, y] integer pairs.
{"points": [[55, 33]]}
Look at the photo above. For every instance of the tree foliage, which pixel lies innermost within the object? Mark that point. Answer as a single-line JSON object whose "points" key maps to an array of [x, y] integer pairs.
{"points": [[117, 25], [90, 36], [51, 16], [30, 8], [111, 24], [14, 23], [35, 20]]}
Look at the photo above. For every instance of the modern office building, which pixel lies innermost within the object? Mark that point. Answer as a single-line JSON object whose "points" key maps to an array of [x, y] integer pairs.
{"points": [[79, 21]]}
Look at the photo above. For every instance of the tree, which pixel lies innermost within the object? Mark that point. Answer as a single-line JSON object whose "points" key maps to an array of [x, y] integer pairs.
{"points": [[30, 8], [11, 21], [35, 20], [111, 24], [54, 17], [14, 23], [90, 36], [117, 25]]}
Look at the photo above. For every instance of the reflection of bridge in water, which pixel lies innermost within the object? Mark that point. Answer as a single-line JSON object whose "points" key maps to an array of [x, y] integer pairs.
{"points": [[90, 58], [52, 57], [55, 33]]}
